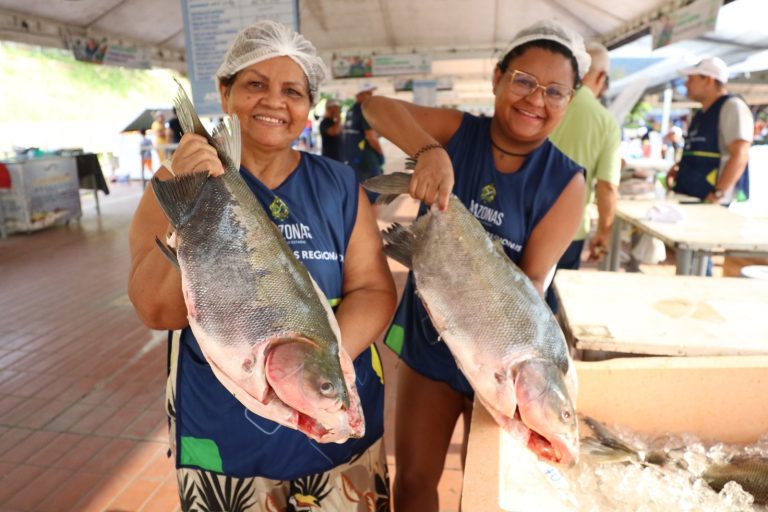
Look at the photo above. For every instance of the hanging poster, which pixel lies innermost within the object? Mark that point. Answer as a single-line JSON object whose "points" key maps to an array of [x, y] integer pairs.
{"points": [[103, 50], [368, 65], [209, 28], [687, 22]]}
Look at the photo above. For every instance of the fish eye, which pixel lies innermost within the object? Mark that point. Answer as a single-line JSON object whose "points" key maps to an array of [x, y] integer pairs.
{"points": [[327, 389], [566, 415]]}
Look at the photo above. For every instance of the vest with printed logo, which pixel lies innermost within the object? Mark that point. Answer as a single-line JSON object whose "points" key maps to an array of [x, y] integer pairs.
{"points": [[315, 209], [700, 164]]}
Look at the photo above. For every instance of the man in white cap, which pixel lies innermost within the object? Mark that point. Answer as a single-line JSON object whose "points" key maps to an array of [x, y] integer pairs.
{"points": [[590, 136], [362, 150], [714, 163]]}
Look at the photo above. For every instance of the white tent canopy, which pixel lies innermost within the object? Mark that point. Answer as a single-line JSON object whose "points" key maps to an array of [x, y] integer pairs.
{"points": [[390, 26], [462, 36]]}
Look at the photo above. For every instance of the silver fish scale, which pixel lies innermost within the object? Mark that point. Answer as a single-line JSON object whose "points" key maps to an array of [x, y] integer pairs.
{"points": [[479, 295], [242, 275]]}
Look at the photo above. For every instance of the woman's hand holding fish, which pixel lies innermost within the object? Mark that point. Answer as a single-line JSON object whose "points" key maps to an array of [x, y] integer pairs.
{"points": [[195, 154], [433, 178]]}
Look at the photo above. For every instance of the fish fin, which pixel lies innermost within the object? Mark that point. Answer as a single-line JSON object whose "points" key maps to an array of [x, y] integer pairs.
{"points": [[608, 438], [399, 244], [392, 184], [386, 198], [186, 113], [178, 196], [226, 136], [168, 253]]}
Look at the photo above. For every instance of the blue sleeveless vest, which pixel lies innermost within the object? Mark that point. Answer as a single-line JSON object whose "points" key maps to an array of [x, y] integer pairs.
{"points": [[700, 164], [509, 205], [315, 208]]}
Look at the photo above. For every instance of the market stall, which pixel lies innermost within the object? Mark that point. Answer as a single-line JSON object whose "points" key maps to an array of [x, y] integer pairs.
{"points": [[43, 192]]}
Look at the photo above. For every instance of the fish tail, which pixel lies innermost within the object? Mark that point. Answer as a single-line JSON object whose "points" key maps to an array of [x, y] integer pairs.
{"points": [[388, 185], [226, 136], [178, 196], [399, 244]]}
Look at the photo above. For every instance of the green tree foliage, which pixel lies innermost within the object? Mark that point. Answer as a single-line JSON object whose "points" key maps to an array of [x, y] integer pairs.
{"points": [[637, 115], [45, 84]]}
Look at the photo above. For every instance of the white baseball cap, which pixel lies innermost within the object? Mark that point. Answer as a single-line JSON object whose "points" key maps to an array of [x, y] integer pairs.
{"points": [[713, 67], [553, 31], [365, 87]]}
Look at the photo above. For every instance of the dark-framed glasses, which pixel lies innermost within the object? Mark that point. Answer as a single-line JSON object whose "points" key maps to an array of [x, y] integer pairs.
{"points": [[555, 95]]}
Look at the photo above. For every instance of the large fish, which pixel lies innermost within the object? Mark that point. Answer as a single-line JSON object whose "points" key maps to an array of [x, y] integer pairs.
{"points": [[262, 322], [501, 333]]}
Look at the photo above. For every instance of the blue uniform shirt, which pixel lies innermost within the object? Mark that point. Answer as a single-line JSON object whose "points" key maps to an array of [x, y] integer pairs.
{"points": [[508, 205], [315, 208]]}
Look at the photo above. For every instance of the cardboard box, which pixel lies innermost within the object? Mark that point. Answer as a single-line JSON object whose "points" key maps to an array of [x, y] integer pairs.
{"points": [[716, 398]]}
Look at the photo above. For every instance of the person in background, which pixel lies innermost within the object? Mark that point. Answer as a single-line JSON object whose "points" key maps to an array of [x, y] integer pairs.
{"points": [[175, 128], [146, 152], [330, 130], [673, 144], [160, 134], [714, 165], [715, 162], [361, 149], [523, 190], [227, 456], [590, 136]]}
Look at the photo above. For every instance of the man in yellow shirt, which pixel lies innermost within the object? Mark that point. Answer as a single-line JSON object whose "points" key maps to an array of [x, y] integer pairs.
{"points": [[590, 136]]}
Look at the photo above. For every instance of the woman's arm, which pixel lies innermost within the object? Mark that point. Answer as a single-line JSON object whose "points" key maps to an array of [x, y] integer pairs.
{"points": [[411, 128], [154, 285], [369, 295], [553, 234]]}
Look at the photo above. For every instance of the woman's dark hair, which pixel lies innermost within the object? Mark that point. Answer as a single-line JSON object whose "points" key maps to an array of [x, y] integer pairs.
{"points": [[544, 44], [228, 81]]}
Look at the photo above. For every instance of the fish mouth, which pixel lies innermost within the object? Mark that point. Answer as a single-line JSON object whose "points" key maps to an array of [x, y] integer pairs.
{"points": [[548, 451]]}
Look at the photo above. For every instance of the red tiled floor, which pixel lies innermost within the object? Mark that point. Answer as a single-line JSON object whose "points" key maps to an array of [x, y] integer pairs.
{"points": [[70, 492], [38, 489], [78, 456], [165, 497], [32, 444], [135, 495], [16, 480], [55, 450]]}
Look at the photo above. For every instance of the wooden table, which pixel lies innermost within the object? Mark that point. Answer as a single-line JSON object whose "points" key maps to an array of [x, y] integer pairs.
{"points": [[663, 315], [705, 229]]}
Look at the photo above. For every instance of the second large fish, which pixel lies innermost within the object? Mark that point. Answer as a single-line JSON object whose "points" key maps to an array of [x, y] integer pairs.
{"points": [[501, 333], [262, 322]]}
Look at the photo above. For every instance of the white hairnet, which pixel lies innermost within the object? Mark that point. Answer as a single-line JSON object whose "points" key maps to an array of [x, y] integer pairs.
{"points": [[268, 39], [553, 31]]}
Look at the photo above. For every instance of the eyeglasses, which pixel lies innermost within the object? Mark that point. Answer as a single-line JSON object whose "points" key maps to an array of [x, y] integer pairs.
{"points": [[555, 95]]}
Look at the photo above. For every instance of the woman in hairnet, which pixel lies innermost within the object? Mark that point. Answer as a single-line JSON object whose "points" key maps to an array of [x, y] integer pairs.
{"points": [[227, 457], [523, 190]]}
